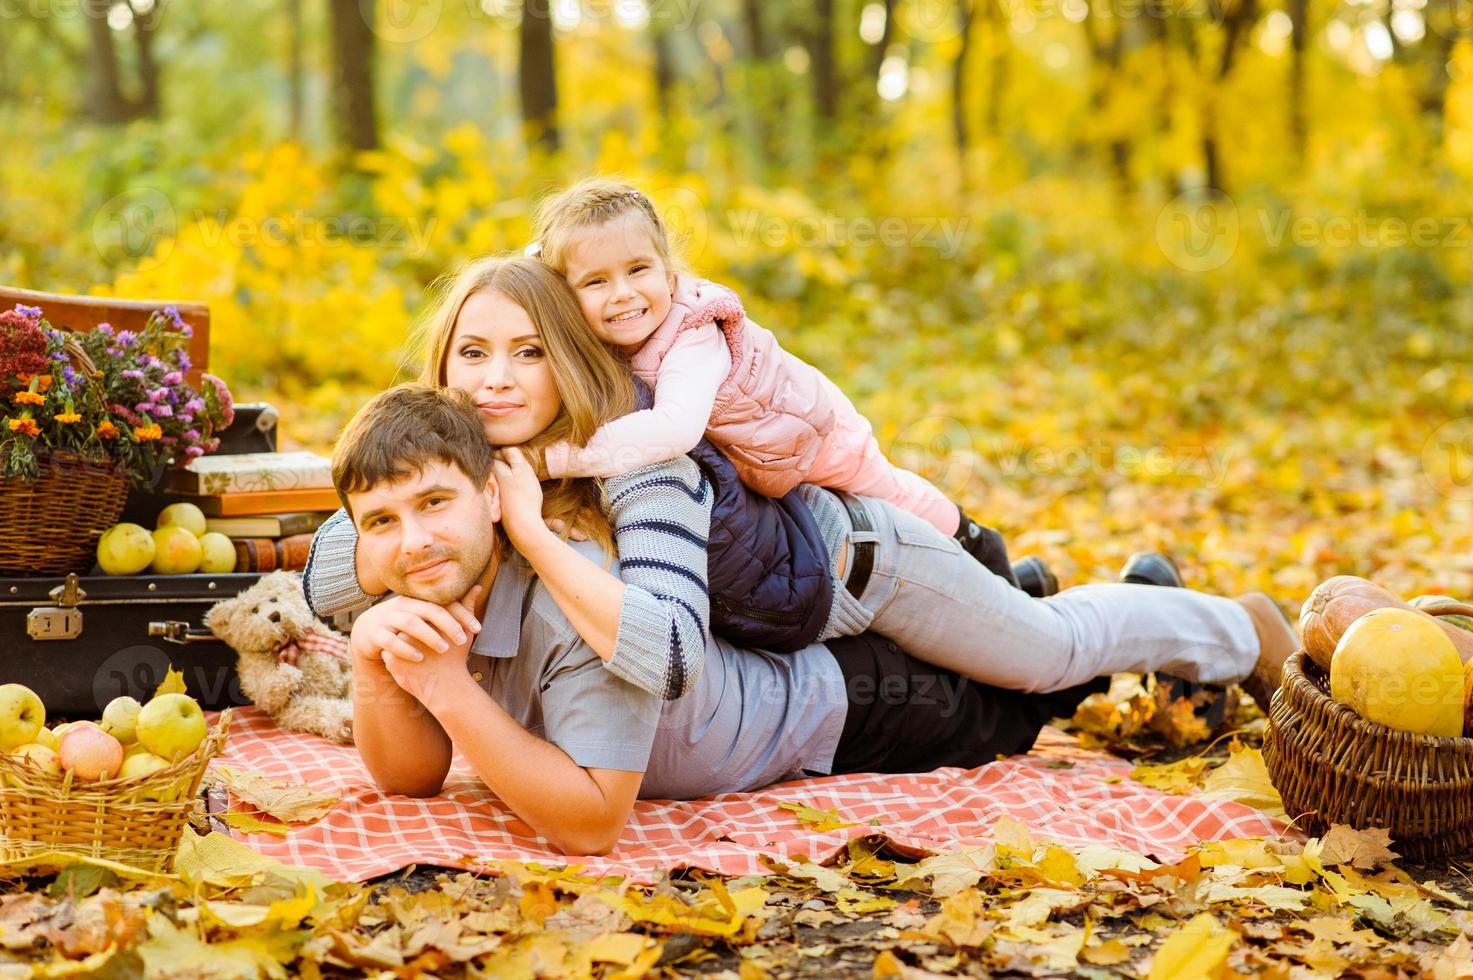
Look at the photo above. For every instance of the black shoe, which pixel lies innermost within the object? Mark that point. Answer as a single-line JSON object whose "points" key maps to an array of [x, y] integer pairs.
{"points": [[1034, 577], [1154, 568], [987, 546], [1151, 568]]}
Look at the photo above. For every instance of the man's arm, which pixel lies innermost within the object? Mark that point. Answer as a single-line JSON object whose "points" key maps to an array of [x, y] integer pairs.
{"points": [[405, 748], [578, 810]]}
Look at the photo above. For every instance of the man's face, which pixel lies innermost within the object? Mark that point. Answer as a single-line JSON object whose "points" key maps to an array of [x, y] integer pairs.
{"points": [[430, 535]]}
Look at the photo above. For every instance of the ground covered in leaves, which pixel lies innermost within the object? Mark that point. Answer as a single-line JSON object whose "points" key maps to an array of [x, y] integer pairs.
{"points": [[1337, 905]]}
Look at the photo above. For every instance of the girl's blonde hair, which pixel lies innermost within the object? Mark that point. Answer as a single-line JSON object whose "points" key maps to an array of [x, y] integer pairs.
{"points": [[595, 386], [591, 203]]}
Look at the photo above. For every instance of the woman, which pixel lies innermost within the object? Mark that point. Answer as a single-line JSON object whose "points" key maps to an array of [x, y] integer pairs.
{"points": [[509, 332]]}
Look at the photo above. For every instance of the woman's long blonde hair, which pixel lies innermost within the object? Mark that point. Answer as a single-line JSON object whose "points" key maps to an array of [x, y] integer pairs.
{"points": [[594, 385]]}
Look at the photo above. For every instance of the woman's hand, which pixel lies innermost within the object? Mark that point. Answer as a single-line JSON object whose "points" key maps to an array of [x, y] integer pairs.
{"points": [[521, 496]]}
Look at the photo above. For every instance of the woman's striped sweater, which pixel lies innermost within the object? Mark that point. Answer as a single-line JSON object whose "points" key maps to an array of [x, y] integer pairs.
{"points": [[661, 516]]}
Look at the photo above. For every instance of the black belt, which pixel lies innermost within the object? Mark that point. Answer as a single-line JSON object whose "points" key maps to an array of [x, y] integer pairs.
{"points": [[862, 555]]}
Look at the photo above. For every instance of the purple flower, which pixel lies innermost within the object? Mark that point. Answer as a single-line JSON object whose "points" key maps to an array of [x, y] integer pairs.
{"points": [[186, 417], [193, 435], [106, 329], [59, 356], [162, 412], [194, 406], [157, 395], [132, 374], [29, 312], [184, 362], [173, 378], [143, 408], [127, 338], [193, 452], [148, 361], [68, 375]]}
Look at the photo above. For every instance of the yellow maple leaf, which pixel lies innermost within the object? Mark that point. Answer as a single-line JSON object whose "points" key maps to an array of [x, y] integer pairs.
{"points": [[173, 683], [1172, 777], [1196, 951], [288, 802], [1243, 778], [814, 818]]}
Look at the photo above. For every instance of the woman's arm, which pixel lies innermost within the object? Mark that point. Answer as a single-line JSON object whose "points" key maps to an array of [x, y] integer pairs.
{"points": [[330, 579], [650, 623], [690, 376]]}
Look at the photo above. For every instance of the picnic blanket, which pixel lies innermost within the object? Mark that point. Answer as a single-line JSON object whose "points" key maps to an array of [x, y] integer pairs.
{"points": [[1059, 790]]}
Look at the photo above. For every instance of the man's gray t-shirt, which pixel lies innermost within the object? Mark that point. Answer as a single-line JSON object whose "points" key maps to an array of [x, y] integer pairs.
{"points": [[752, 719]]}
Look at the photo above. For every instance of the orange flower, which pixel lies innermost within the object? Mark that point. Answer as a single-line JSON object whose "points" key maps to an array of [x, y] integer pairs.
{"points": [[45, 379], [29, 398], [66, 418], [106, 429], [25, 426], [148, 433]]}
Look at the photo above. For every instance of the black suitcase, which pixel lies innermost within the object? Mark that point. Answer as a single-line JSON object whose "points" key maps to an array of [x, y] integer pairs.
{"points": [[80, 641]]}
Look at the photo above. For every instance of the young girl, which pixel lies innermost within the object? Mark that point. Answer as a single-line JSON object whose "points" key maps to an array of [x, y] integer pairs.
{"points": [[714, 372]]}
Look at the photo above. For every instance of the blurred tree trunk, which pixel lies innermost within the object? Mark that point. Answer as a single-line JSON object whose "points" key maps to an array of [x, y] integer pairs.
{"points": [[1000, 47], [536, 74], [824, 65], [105, 100], [1443, 27], [664, 67], [877, 52], [1298, 44], [294, 93], [1238, 18], [756, 34], [354, 54], [958, 82], [1104, 68]]}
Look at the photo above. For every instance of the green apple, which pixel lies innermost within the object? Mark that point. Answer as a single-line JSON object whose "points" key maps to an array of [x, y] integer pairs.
{"points": [[90, 753], [125, 549], [143, 764], [187, 516], [60, 730], [132, 749], [219, 554], [171, 726], [176, 551], [120, 718], [22, 715], [47, 738]]}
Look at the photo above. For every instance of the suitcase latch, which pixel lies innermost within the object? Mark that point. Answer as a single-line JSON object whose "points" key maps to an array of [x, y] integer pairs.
{"points": [[62, 621], [176, 631]]}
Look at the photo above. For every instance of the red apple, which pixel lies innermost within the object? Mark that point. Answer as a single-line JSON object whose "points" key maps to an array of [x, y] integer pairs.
{"points": [[90, 753]]}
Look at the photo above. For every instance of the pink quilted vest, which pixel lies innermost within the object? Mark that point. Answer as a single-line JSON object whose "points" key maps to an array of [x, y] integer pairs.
{"points": [[773, 412]]}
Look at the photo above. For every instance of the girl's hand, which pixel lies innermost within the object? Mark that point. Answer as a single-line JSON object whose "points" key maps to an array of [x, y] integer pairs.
{"points": [[557, 526], [521, 495]]}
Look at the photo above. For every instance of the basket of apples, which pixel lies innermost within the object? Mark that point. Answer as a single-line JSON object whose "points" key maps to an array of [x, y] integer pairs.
{"points": [[120, 789]]}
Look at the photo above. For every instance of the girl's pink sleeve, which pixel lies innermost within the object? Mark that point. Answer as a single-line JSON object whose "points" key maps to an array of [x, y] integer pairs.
{"points": [[685, 392]]}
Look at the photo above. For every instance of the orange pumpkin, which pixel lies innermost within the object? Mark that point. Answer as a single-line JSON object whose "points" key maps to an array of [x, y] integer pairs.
{"points": [[1337, 602]]}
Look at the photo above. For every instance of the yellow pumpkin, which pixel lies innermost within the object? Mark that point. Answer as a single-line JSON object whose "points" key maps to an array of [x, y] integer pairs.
{"points": [[1397, 667]]}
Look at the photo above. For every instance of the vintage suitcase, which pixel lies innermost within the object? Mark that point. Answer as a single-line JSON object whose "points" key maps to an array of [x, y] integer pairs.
{"points": [[82, 640]]}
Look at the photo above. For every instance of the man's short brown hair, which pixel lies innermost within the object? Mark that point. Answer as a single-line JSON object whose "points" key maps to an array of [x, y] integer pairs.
{"points": [[405, 429]]}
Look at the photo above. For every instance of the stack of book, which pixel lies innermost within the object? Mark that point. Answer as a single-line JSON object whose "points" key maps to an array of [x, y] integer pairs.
{"points": [[269, 504]]}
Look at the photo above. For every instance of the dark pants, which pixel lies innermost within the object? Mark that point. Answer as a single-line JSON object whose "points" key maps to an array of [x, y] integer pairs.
{"points": [[910, 716]]}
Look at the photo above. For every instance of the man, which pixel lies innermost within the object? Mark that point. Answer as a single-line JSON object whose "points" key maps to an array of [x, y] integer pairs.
{"points": [[473, 652]]}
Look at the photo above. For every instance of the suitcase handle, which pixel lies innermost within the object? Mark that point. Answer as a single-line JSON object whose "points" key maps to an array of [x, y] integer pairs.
{"points": [[177, 631]]}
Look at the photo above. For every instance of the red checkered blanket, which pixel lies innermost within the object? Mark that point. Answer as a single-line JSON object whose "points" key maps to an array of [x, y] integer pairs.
{"points": [[1058, 790]]}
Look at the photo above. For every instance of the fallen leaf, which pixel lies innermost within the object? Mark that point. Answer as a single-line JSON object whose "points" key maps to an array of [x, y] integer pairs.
{"points": [[816, 819], [1243, 778], [1358, 848], [1198, 949], [1173, 777], [284, 801]]}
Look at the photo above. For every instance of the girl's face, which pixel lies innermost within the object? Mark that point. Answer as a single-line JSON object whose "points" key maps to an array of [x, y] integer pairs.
{"points": [[496, 356], [622, 284]]}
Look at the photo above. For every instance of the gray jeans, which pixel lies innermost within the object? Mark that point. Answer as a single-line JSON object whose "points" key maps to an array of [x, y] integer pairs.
{"points": [[944, 607]]}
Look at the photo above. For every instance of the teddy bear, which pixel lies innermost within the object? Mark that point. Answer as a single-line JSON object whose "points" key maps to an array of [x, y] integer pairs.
{"points": [[291, 665]]}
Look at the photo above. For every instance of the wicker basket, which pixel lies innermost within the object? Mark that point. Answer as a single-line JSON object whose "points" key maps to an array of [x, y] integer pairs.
{"points": [[40, 812], [1334, 766], [51, 526]]}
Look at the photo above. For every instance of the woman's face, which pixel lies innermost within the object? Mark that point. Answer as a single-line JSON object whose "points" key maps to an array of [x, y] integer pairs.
{"points": [[497, 357]]}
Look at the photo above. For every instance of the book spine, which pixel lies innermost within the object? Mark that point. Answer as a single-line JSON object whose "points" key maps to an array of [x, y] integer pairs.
{"points": [[256, 555], [266, 479], [292, 551]]}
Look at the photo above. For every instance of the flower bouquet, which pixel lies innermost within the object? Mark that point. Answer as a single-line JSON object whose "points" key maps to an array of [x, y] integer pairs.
{"points": [[86, 416]]}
